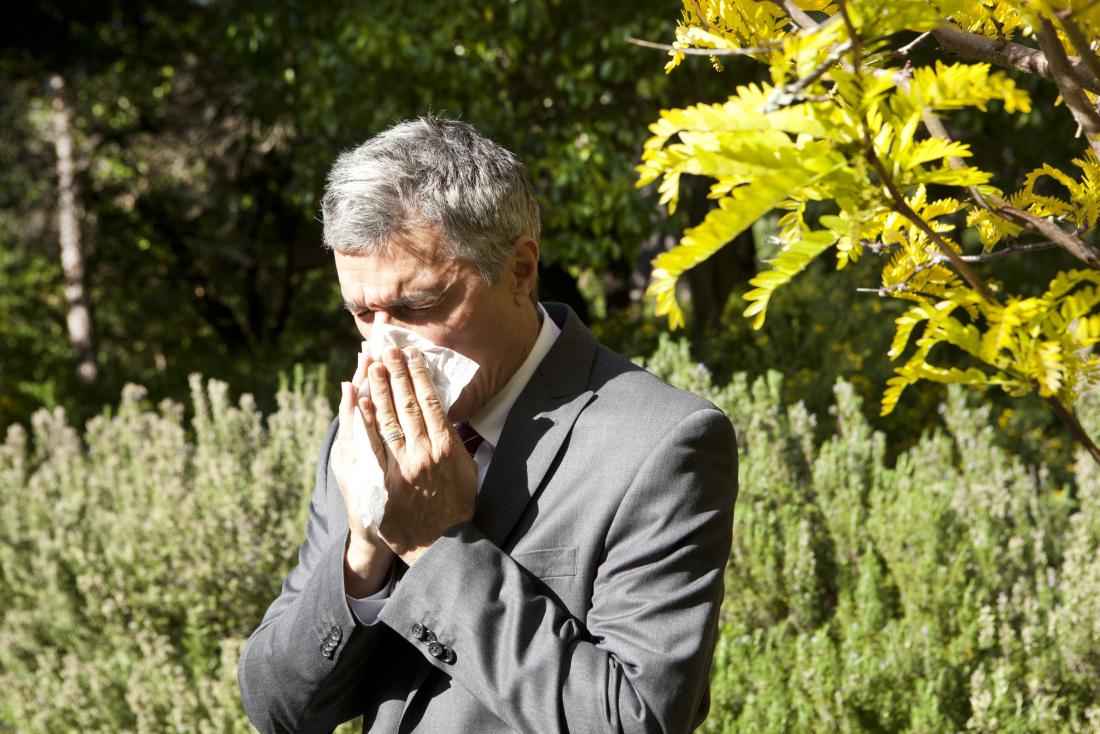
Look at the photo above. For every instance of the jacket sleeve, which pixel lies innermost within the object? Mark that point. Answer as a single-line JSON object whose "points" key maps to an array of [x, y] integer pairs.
{"points": [[300, 669], [640, 662]]}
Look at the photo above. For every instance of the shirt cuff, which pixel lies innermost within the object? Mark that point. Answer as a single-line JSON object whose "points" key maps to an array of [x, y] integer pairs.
{"points": [[367, 609]]}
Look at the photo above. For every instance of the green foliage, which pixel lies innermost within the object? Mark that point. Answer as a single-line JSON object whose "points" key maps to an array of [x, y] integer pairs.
{"points": [[136, 557], [819, 330], [847, 140], [952, 591], [203, 133], [955, 589]]}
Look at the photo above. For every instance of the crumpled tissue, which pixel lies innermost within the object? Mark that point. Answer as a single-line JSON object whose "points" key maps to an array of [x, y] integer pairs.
{"points": [[450, 371]]}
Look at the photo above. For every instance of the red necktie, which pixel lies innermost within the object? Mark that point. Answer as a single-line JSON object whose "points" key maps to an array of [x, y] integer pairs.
{"points": [[471, 439]]}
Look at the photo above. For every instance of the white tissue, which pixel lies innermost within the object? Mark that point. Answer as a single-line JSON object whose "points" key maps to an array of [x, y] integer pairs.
{"points": [[450, 371]]}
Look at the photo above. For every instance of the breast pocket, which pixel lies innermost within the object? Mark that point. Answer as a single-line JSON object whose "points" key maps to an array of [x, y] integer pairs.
{"points": [[549, 563]]}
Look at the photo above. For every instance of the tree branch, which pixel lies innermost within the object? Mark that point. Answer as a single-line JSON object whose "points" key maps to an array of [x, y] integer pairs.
{"points": [[791, 93], [960, 265], [700, 51], [853, 36], [902, 205], [904, 286], [886, 290], [1010, 55], [798, 15], [936, 127], [998, 254], [1083, 251], [1080, 43], [1010, 250], [1083, 111], [906, 211], [1069, 241], [904, 50], [1075, 427]]}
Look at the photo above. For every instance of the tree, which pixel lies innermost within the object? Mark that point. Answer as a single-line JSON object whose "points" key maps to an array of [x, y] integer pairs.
{"points": [[202, 134], [848, 140], [79, 318]]}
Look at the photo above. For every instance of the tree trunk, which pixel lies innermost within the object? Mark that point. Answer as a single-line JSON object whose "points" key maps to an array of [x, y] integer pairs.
{"points": [[79, 317]]}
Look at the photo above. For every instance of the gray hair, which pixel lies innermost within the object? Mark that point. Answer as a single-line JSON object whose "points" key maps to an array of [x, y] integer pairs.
{"points": [[431, 172]]}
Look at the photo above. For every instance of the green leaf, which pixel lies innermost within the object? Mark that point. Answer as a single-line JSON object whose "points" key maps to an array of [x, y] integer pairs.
{"points": [[733, 215], [791, 261]]}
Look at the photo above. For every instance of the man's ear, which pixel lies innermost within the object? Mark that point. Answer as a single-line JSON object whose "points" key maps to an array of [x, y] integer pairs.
{"points": [[525, 267]]}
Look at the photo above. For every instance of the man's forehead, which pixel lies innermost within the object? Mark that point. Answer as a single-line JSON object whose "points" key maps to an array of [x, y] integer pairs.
{"points": [[391, 276]]}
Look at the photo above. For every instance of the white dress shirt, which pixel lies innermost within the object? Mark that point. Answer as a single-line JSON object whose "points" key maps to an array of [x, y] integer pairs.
{"points": [[489, 423]]}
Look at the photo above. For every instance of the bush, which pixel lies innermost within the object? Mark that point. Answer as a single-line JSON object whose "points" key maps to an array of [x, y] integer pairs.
{"points": [[955, 589], [135, 562]]}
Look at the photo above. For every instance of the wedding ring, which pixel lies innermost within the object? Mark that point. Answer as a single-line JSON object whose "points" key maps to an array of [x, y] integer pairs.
{"points": [[391, 436]]}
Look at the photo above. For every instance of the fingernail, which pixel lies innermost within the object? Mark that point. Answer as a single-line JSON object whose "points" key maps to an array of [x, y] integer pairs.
{"points": [[415, 356], [393, 353]]}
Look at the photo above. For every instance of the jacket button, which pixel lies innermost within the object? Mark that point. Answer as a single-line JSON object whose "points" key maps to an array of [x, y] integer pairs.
{"points": [[449, 656], [436, 650], [335, 633], [430, 636], [419, 631]]}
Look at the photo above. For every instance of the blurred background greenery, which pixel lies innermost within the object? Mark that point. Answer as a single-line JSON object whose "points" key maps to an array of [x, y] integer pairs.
{"points": [[202, 132]]}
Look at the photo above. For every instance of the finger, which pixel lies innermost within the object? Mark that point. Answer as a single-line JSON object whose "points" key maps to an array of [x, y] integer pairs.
{"points": [[405, 403], [364, 414], [431, 407], [346, 411], [381, 397], [361, 365]]}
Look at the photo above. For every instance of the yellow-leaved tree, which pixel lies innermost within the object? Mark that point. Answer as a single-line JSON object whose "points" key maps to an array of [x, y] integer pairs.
{"points": [[847, 119]]}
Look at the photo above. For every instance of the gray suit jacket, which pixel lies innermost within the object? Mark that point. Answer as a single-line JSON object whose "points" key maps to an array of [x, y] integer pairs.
{"points": [[583, 597]]}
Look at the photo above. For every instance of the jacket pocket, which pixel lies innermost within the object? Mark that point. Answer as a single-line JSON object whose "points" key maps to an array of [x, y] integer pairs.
{"points": [[549, 562]]}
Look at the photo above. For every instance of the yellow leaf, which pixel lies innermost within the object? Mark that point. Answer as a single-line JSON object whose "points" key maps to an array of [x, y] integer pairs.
{"points": [[792, 259]]}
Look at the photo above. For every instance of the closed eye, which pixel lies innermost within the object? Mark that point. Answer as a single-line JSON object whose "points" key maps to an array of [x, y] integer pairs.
{"points": [[357, 311], [414, 313]]}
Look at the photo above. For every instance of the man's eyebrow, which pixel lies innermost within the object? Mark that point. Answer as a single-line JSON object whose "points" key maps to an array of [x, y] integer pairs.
{"points": [[408, 300]]}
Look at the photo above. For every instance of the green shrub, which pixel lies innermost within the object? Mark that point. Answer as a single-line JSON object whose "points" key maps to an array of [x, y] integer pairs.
{"points": [[135, 559], [819, 330], [955, 589]]}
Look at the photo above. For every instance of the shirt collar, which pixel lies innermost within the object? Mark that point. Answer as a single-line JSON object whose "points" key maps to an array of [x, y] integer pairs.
{"points": [[489, 421]]}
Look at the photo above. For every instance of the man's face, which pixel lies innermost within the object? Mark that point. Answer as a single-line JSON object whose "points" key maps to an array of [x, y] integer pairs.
{"points": [[445, 301]]}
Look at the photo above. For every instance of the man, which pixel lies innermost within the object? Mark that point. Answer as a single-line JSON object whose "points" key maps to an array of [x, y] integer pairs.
{"points": [[565, 577]]}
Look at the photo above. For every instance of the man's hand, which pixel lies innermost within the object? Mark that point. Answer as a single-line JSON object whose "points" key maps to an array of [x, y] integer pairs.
{"points": [[368, 559], [432, 481]]}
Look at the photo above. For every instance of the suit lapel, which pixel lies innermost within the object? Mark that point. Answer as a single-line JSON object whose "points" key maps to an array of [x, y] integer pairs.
{"points": [[520, 464], [536, 428], [534, 432]]}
